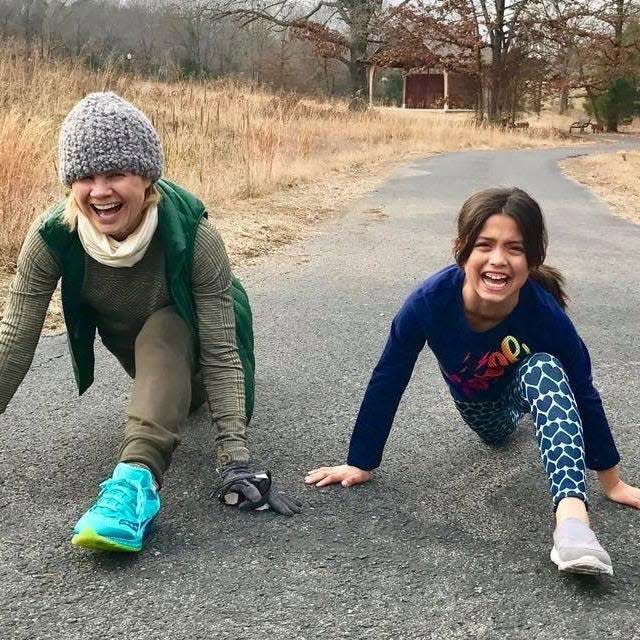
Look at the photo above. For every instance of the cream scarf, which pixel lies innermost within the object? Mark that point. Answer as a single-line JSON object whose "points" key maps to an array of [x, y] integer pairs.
{"points": [[113, 253]]}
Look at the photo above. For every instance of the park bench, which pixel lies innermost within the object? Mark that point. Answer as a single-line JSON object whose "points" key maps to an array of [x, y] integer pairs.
{"points": [[580, 124]]}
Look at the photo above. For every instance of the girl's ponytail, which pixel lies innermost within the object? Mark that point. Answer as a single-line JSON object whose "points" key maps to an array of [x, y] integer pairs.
{"points": [[553, 281]]}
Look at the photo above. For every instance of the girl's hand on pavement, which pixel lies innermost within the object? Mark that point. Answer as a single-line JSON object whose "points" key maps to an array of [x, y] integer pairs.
{"points": [[624, 493], [345, 474]]}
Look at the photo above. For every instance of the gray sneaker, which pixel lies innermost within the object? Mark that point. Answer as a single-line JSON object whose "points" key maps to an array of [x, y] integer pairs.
{"points": [[577, 550]]}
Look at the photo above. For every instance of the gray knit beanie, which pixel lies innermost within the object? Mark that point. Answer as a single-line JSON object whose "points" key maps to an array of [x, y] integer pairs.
{"points": [[104, 133]]}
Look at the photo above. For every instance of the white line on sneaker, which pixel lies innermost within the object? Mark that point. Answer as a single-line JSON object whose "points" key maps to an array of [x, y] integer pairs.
{"points": [[587, 564]]}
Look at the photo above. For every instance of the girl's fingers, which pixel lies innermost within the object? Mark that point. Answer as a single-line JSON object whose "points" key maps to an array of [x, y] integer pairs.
{"points": [[318, 470], [330, 479], [628, 495], [345, 474], [317, 474]]}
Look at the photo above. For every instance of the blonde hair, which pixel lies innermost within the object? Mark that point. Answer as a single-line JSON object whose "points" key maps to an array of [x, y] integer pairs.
{"points": [[72, 209]]}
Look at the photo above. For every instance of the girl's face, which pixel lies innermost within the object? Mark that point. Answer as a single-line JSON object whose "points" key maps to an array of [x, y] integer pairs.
{"points": [[112, 201], [496, 268]]}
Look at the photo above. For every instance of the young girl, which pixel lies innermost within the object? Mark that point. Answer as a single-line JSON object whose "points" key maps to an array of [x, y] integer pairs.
{"points": [[496, 323]]}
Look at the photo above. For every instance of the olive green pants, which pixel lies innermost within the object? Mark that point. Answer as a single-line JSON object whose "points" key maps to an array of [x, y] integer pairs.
{"points": [[166, 387]]}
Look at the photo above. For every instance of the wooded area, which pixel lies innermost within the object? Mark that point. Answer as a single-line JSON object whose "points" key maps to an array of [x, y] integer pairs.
{"points": [[523, 52]]}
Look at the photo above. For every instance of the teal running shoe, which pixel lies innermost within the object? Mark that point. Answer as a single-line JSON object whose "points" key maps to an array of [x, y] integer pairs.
{"points": [[123, 515]]}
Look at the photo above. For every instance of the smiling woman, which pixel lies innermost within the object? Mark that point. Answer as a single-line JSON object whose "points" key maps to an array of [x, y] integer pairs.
{"points": [[114, 203], [141, 265]]}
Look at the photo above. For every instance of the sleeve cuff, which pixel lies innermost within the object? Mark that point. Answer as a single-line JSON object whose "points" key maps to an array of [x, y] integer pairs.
{"points": [[225, 456], [365, 466], [603, 463]]}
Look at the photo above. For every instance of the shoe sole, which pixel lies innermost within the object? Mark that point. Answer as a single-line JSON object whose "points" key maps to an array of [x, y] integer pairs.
{"points": [[585, 564], [89, 539]]}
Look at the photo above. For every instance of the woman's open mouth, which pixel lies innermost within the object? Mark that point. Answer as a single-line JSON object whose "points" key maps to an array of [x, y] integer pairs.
{"points": [[495, 281], [106, 211]]}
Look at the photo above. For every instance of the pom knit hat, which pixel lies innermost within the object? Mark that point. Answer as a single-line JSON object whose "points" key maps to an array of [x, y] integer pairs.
{"points": [[105, 133]]}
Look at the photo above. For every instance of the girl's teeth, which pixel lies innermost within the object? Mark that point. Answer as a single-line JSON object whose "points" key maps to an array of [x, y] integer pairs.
{"points": [[494, 280]]}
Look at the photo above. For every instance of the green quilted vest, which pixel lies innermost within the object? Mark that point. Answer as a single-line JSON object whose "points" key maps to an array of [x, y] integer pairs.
{"points": [[179, 214]]}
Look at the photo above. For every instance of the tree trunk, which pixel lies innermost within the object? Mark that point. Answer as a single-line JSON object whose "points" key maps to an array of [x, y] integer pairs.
{"points": [[613, 112], [358, 74], [563, 103], [496, 36], [594, 104], [538, 100], [612, 119], [496, 103], [482, 83], [495, 98]]}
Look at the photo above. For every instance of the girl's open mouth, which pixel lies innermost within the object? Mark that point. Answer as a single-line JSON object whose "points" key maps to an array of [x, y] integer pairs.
{"points": [[495, 281]]}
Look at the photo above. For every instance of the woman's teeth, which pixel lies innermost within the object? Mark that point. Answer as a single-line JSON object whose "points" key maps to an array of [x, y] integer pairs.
{"points": [[106, 209]]}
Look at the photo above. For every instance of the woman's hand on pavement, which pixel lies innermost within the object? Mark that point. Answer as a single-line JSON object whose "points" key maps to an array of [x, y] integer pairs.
{"points": [[345, 474]]}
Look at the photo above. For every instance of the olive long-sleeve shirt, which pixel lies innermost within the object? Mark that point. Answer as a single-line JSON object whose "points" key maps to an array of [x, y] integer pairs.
{"points": [[123, 299]]}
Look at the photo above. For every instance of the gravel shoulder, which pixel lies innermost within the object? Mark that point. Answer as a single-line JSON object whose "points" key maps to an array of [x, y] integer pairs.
{"points": [[613, 177]]}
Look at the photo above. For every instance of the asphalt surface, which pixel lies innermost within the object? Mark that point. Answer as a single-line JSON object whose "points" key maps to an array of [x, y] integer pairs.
{"points": [[450, 540]]}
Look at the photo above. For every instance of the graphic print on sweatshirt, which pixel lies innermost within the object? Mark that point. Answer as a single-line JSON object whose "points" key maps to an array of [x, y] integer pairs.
{"points": [[477, 374]]}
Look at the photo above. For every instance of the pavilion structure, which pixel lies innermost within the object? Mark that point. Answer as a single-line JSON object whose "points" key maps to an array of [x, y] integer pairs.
{"points": [[427, 82]]}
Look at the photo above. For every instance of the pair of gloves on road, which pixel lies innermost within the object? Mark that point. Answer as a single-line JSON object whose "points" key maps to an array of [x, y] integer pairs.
{"points": [[252, 490]]}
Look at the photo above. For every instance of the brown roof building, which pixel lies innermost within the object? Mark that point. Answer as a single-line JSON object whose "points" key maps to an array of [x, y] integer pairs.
{"points": [[428, 83]]}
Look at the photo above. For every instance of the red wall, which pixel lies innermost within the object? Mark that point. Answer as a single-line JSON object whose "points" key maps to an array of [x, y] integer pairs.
{"points": [[425, 91]]}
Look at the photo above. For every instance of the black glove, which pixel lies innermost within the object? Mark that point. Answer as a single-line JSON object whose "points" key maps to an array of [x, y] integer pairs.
{"points": [[252, 490]]}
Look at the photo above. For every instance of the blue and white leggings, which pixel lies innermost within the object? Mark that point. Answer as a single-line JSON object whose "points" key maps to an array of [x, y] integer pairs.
{"points": [[540, 387]]}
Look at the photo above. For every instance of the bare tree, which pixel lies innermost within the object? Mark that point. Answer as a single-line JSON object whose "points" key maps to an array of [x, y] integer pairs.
{"points": [[7, 13], [345, 30], [595, 44]]}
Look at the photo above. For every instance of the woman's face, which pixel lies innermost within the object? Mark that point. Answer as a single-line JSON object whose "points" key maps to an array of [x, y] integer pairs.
{"points": [[497, 265], [112, 201]]}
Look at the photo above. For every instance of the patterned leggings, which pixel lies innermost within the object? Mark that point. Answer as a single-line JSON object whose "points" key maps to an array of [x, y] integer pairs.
{"points": [[540, 387]]}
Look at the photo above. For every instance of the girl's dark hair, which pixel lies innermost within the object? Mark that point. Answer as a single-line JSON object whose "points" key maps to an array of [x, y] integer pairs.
{"points": [[527, 214]]}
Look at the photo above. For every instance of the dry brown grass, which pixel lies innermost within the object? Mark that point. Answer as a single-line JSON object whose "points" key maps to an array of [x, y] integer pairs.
{"points": [[225, 141], [266, 165], [613, 176]]}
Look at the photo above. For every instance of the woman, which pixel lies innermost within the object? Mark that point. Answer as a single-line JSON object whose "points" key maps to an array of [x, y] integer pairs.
{"points": [[141, 265]]}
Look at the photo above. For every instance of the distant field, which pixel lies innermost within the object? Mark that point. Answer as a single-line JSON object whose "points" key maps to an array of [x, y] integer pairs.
{"points": [[267, 165], [230, 143]]}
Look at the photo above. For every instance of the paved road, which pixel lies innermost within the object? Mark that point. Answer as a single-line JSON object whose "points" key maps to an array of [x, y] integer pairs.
{"points": [[450, 541]]}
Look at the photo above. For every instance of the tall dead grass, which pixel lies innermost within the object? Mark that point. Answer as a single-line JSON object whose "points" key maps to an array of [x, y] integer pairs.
{"points": [[613, 176], [224, 140]]}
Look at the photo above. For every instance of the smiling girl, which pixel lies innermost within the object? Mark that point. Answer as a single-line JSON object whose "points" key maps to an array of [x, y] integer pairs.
{"points": [[496, 323]]}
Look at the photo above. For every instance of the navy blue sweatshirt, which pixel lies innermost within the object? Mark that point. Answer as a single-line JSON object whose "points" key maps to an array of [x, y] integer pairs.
{"points": [[476, 365]]}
